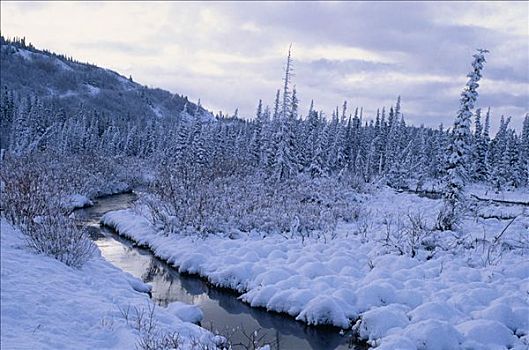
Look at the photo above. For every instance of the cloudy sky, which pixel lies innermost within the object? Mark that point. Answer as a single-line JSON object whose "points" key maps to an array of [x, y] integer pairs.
{"points": [[230, 54]]}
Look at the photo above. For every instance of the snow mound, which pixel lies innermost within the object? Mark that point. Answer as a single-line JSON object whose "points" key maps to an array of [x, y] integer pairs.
{"points": [[185, 312], [138, 285], [487, 332], [76, 201], [376, 323], [377, 293], [501, 313], [435, 310], [324, 310], [433, 335], [290, 301], [396, 342]]}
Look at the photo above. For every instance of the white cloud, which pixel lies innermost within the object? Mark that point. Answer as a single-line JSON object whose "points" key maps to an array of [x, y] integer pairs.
{"points": [[504, 16], [335, 52]]}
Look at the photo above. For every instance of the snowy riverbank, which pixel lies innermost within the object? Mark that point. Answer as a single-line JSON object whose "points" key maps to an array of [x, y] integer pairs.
{"points": [[457, 298], [48, 305], [78, 201]]}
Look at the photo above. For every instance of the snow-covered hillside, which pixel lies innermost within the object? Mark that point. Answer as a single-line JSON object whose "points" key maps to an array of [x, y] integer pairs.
{"points": [[27, 70]]}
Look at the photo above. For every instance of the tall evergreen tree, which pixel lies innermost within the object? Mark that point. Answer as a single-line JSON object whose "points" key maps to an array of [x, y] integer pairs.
{"points": [[524, 152], [459, 148]]}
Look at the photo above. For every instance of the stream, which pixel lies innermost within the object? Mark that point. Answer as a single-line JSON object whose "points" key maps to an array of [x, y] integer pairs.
{"points": [[223, 311]]}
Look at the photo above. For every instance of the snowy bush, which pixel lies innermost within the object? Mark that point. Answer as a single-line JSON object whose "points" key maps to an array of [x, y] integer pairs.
{"points": [[57, 236], [295, 208], [34, 182], [27, 190], [448, 217], [152, 335], [33, 188], [410, 235]]}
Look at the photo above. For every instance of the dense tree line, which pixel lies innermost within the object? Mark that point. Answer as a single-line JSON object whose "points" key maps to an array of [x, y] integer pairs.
{"points": [[278, 143]]}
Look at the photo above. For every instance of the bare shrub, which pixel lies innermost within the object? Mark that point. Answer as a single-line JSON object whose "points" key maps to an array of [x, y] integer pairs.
{"points": [[449, 216], [410, 235], [497, 247], [202, 203], [57, 236], [417, 233], [446, 219], [364, 224], [151, 336], [26, 193], [31, 195], [247, 340]]}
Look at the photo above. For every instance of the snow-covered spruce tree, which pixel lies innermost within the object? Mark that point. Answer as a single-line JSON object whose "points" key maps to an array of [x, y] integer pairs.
{"points": [[318, 166], [524, 152], [500, 172], [459, 149], [510, 160], [311, 133], [285, 165], [7, 117], [479, 163], [275, 115]]}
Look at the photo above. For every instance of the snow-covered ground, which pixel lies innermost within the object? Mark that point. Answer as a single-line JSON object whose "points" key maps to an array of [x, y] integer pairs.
{"points": [[485, 192], [470, 292], [92, 90], [48, 305], [88, 89], [110, 189], [76, 201], [28, 55]]}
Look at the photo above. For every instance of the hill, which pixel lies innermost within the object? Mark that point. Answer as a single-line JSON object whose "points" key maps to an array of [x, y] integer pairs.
{"points": [[70, 83]]}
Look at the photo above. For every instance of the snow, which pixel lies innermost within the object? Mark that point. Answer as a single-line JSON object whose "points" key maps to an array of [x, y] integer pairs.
{"points": [[395, 301], [61, 64], [433, 335], [92, 90], [110, 188], [324, 310], [484, 192], [28, 55], [185, 312], [47, 305], [156, 110], [492, 334], [378, 322], [392, 342], [69, 93], [75, 201], [25, 54], [439, 310]]}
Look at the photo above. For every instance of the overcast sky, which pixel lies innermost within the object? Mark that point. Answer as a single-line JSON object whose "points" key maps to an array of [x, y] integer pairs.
{"points": [[230, 54]]}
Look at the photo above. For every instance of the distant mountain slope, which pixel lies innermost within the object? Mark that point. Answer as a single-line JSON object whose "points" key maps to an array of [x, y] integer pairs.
{"points": [[27, 70]]}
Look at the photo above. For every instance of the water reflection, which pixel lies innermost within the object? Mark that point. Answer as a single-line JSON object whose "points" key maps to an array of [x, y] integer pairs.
{"points": [[222, 310]]}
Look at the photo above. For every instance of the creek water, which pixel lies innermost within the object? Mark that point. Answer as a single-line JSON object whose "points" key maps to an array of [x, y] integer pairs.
{"points": [[223, 311]]}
